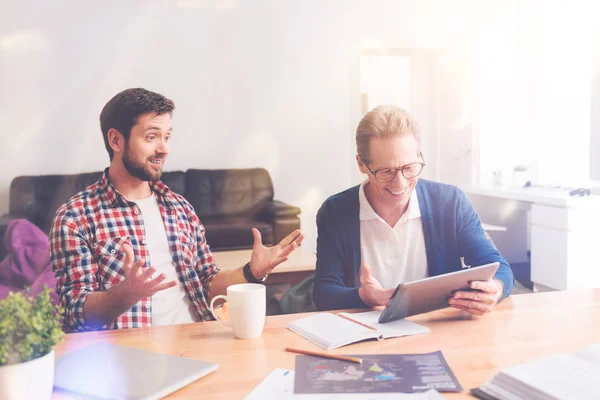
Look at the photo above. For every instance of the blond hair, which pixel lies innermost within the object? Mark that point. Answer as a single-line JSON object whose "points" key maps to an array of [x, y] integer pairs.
{"points": [[383, 122]]}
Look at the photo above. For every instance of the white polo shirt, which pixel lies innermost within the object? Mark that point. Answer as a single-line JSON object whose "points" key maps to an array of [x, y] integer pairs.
{"points": [[397, 254]]}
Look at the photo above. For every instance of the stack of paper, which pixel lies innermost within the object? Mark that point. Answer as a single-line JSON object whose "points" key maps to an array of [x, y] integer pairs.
{"points": [[560, 376]]}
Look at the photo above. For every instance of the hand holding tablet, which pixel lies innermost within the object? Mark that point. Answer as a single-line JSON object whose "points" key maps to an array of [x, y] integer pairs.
{"points": [[467, 289], [480, 298]]}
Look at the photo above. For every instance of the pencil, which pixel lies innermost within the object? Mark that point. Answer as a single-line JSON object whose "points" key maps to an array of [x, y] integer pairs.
{"points": [[357, 322], [325, 355]]}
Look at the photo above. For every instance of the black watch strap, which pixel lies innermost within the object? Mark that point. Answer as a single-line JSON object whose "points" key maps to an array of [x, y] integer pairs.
{"points": [[249, 277]]}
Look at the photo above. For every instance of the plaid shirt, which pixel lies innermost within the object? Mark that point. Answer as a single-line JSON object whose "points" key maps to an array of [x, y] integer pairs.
{"points": [[85, 244]]}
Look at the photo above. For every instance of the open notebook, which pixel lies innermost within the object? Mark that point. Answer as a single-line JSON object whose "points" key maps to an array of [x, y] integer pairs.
{"points": [[331, 331], [559, 376]]}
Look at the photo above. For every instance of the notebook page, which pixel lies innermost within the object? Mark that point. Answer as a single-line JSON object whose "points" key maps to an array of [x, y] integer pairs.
{"points": [[401, 327], [561, 376], [330, 331]]}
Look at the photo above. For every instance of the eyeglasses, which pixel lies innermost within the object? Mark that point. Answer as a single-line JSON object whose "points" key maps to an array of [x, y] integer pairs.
{"points": [[409, 171]]}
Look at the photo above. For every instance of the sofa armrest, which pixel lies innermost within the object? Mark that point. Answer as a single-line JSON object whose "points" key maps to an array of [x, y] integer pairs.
{"points": [[4, 221], [284, 218], [278, 209]]}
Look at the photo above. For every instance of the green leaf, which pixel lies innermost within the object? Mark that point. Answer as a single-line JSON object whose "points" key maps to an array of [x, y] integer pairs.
{"points": [[29, 327]]}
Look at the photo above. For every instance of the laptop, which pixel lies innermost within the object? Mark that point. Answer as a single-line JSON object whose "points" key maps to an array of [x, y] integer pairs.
{"points": [[429, 294], [108, 371]]}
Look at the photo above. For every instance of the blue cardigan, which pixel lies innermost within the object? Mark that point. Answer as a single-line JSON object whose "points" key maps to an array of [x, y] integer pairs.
{"points": [[451, 228]]}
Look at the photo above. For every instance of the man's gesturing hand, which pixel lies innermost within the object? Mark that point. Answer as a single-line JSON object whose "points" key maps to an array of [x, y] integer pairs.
{"points": [[139, 284], [264, 259]]}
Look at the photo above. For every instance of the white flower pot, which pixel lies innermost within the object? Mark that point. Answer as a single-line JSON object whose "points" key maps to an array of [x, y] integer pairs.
{"points": [[29, 380]]}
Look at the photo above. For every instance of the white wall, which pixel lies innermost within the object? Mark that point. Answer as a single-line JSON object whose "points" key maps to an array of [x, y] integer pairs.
{"points": [[595, 112], [256, 83], [532, 79]]}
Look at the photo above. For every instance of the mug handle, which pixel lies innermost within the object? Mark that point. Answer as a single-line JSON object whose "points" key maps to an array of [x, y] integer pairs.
{"points": [[213, 311]]}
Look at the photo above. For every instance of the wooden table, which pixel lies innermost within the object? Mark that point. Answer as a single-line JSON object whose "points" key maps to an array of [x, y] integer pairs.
{"points": [[522, 328], [299, 266]]}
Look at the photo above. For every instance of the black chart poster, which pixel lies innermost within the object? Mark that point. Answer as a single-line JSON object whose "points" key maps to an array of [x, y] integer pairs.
{"points": [[378, 373]]}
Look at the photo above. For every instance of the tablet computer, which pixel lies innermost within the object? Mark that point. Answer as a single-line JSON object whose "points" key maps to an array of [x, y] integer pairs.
{"points": [[429, 294]]}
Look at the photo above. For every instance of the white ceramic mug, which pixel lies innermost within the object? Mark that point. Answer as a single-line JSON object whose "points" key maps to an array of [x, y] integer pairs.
{"points": [[247, 309]]}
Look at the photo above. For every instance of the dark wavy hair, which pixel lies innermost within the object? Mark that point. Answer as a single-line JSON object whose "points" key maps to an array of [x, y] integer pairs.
{"points": [[123, 110]]}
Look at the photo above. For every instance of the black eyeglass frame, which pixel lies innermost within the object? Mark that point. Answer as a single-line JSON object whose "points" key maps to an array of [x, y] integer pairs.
{"points": [[422, 164]]}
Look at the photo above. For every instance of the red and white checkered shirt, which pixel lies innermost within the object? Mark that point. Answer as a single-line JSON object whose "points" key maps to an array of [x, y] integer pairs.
{"points": [[85, 244]]}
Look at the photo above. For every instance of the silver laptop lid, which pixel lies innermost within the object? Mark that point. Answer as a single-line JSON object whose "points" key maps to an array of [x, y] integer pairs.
{"points": [[108, 371]]}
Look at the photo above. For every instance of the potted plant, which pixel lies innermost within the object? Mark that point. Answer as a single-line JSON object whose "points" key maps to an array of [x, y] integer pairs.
{"points": [[29, 328]]}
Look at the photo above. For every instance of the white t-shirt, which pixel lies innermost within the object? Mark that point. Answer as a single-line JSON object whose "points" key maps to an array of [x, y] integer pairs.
{"points": [[170, 306], [397, 254]]}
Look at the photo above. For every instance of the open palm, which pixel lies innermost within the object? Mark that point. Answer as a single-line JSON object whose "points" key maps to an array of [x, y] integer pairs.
{"points": [[371, 292], [264, 258]]}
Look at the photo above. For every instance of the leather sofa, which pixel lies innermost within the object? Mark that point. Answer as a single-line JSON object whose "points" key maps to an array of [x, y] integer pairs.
{"points": [[229, 202]]}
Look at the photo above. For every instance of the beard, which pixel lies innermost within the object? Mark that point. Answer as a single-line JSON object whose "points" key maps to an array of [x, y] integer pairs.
{"points": [[141, 170]]}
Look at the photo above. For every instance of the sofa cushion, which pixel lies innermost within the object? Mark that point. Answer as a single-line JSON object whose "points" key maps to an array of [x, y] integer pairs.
{"points": [[240, 197], [229, 233], [37, 198], [175, 180], [231, 192]]}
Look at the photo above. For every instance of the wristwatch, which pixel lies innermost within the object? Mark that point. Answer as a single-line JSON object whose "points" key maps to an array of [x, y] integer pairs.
{"points": [[249, 277]]}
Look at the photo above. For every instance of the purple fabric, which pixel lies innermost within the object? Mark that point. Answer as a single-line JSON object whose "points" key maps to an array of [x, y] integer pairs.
{"points": [[28, 260], [6, 289]]}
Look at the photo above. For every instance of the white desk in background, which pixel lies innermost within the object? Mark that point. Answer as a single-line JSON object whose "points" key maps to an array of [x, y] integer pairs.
{"points": [[564, 235]]}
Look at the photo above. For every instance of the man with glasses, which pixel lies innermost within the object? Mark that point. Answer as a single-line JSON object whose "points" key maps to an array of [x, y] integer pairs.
{"points": [[395, 228]]}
